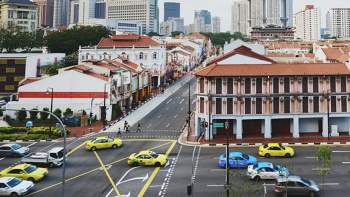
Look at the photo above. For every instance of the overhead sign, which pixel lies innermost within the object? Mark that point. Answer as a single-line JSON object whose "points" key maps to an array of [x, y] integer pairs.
{"points": [[218, 125]]}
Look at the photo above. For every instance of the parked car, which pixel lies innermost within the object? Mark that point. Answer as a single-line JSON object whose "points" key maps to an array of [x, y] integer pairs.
{"points": [[13, 150], [2, 102], [147, 157], [237, 160], [266, 170], [25, 171], [275, 150], [103, 142], [12, 186], [296, 186]]}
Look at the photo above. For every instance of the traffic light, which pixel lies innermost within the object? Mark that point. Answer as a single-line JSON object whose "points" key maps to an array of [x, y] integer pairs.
{"points": [[202, 124], [206, 124], [91, 114]]}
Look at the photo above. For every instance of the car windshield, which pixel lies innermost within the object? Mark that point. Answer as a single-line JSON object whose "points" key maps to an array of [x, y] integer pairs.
{"points": [[245, 156], [30, 169], [283, 147], [110, 139], [154, 155], [266, 145], [14, 182], [16, 146], [306, 181]]}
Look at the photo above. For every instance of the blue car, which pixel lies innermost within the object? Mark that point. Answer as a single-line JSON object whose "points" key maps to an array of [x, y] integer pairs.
{"points": [[266, 170], [237, 160]]}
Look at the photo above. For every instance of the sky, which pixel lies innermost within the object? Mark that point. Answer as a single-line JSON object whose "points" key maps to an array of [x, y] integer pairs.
{"points": [[222, 8]]}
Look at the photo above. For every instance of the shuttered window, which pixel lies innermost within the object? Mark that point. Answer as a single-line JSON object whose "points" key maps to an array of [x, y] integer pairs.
{"points": [[201, 85], [275, 85], [276, 105], [247, 105], [218, 106], [343, 84], [229, 86], [218, 86], [316, 104], [343, 104], [286, 105], [305, 105], [247, 85], [258, 106], [259, 85], [315, 84], [286, 85], [304, 84], [230, 106], [201, 105], [332, 84]]}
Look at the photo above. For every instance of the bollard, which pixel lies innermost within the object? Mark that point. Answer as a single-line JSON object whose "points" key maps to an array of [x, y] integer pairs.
{"points": [[75, 134]]}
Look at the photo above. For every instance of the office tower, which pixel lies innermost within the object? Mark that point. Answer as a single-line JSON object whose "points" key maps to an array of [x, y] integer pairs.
{"points": [[172, 24], [308, 24], [45, 11], [239, 17], [100, 9], [144, 11], [203, 13], [171, 9], [339, 22], [60, 16], [215, 24]]}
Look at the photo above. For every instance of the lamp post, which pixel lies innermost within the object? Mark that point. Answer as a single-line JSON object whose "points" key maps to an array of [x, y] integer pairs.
{"points": [[329, 133], [104, 105], [190, 188], [47, 92], [189, 110], [227, 161], [92, 100], [209, 123]]}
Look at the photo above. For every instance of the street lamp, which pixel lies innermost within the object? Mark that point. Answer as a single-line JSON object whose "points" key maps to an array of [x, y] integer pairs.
{"points": [[104, 105], [227, 161], [47, 92], [209, 124], [189, 110], [190, 188], [329, 133]]}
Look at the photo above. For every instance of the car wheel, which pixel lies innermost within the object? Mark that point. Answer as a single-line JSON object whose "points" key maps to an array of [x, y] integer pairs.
{"points": [[114, 146], [312, 194], [31, 179], [14, 194], [51, 165], [134, 164], [15, 155], [257, 178], [93, 148], [267, 155], [287, 155], [157, 164]]}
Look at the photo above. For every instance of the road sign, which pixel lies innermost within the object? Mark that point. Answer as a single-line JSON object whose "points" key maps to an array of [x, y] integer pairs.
{"points": [[218, 125], [226, 125]]}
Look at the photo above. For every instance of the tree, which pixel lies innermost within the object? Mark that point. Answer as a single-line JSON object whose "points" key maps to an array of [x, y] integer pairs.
{"points": [[21, 114], [57, 112], [69, 60], [243, 186], [152, 34], [43, 115], [52, 69], [33, 114], [68, 112], [10, 38], [176, 33], [323, 156]]}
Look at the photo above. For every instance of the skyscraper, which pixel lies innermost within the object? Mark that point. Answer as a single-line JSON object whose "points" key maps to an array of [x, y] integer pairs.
{"points": [[203, 13], [239, 17], [308, 24], [215, 24], [60, 16], [339, 22], [100, 9], [171, 9], [45, 10]]}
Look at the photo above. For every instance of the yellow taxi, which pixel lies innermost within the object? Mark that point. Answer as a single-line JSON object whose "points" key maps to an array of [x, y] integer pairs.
{"points": [[275, 150], [147, 158], [25, 171], [103, 142]]}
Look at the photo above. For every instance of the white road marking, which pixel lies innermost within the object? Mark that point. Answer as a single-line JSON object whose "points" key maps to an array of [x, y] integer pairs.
{"points": [[182, 108], [328, 183], [181, 101], [194, 100], [310, 157], [175, 116], [31, 144], [159, 116], [169, 101], [167, 125], [2, 158], [340, 151], [149, 125], [345, 162], [167, 108]]}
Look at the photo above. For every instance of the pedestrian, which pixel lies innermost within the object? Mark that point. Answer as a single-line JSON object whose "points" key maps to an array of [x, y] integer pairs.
{"points": [[125, 125], [138, 127], [127, 128], [119, 132]]}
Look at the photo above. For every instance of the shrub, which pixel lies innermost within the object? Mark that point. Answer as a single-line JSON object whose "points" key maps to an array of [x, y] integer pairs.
{"points": [[12, 130], [34, 114], [46, 131], [14, 137], [57, 112], [43, 115], [21, 114], [68, 112]]}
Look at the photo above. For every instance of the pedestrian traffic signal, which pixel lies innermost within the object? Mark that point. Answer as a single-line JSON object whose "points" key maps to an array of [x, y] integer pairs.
{"points": [[202, 124], [91, 114], [206, 124]]}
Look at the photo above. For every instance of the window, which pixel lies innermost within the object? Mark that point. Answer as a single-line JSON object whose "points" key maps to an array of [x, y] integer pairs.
{"points": [[141, 56], [218, 106], [276, 105], [258, 85], [315, 84], [230, 106], [343, 104], [286, 105], [332, 81], [201, 105], [286, 85], [229, 86], [247, 86], [247, 105], [154, 55], [316, 104], [343, 84], [201, 85], [333, 104], [305, 105], [218, 86], [304, 85], [275, 85], [258, 106]]}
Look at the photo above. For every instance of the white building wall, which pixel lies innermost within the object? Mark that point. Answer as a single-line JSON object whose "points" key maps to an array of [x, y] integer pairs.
{"points": [[308, 24], [339, 22], [41, 60], [239, 17]]}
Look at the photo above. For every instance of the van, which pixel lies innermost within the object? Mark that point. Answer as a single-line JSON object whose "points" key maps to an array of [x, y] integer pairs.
{"points": [[296, 186]]}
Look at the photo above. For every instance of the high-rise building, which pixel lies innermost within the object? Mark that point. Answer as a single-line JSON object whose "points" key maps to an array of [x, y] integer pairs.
{"points": [[171, 9], [172, 24], [144, 11], [308, 24], [45, 11], [215, 24], [22, 13], [270, 12], [100, 9], [203, 13], [202, 21], [339, 22], [239, 17], [60, 15]]}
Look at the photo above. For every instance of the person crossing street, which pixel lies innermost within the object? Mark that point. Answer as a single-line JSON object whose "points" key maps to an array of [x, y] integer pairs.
{"points": [[138, 127]]}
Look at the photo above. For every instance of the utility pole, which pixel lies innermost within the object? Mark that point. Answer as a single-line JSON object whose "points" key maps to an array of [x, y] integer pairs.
{"points": [[227, 161]]}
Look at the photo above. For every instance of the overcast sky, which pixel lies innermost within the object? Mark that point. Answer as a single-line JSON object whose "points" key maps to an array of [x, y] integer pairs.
{"points": [[222, 8]]}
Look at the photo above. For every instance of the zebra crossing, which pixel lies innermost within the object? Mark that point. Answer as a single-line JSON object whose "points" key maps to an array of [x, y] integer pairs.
{"points": [[151, 130]]}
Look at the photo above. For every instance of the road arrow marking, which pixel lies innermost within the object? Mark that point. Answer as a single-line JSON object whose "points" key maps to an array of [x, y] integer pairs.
{"points": [[106, 166], [135, 178]]}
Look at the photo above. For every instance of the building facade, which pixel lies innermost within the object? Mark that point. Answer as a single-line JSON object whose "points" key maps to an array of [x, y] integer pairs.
{"points": [[259, 97], [171, 9], [308, 24], [172, 24], [271, 32], [215, 24], [19, 12], [61, 13], [339, 22], [143, 11], [239, 17], [45, 10]]}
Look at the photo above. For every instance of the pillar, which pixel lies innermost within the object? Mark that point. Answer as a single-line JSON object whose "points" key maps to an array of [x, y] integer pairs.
{"points": [[239, 128], [268, 129], [295, 127]]}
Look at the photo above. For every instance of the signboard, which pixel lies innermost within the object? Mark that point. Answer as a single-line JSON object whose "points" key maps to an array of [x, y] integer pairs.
{"points": [[218, 125]]}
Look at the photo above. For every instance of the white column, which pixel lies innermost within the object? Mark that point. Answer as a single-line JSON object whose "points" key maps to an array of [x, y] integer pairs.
{"points": [[325, 126], [268, 129], [296, 133], [239, 128]]}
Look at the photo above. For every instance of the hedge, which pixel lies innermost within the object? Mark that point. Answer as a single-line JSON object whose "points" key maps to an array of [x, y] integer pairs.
{"points": [[13, 137], [43, 132]]}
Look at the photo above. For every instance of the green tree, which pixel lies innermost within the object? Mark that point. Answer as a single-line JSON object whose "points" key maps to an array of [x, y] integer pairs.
{"points": [[323, 156], [21, 114], [52, 69], [176, 33], [152, 34], [68, 112], [242, 186], [43, 115], [10, 38], [33, 114], [58, 112], [69, 60]]}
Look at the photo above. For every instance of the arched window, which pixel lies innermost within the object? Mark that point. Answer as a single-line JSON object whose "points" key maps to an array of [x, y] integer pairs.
{"points": [[141, 56], [123, 54], [154, 55]]}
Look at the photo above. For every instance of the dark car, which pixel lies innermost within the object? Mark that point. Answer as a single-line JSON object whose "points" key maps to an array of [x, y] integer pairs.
{"points": [[296, 186], [13, 150]]}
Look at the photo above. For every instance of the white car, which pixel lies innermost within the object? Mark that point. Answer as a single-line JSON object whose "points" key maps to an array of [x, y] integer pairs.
{"points": [[11, 186], [266, 170], [13, 150]]}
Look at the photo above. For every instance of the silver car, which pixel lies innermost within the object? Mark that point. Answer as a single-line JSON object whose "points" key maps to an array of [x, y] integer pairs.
{"points": [[296, 186], [13, 150], [11, 186]]}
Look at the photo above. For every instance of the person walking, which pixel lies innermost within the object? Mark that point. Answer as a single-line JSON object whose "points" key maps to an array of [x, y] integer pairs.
{"points": [[119, 132], [127, 128], [138, 127], [125, 125]]}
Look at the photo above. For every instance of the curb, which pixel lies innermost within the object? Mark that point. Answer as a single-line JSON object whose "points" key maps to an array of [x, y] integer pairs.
{"points": [[259, 144], [48, 140]]}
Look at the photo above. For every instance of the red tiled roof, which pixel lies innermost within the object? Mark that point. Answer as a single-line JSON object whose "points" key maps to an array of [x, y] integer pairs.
{"points": [[125, 37], [143, 41], [30, 80], [243, 50], [278, 69], [79, 67], [96, 75], [332, 53]]}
